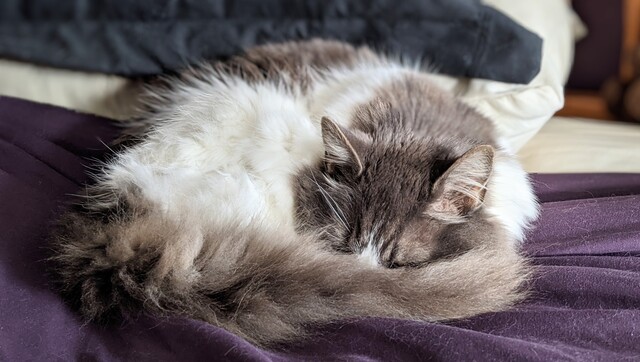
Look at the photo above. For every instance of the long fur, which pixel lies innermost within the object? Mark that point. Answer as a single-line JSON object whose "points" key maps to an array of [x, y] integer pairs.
{"points": [[205, 211], [266, 287]]}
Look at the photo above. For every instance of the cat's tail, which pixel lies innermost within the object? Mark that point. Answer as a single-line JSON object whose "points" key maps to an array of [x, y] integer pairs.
{"points": [[266, 287]]}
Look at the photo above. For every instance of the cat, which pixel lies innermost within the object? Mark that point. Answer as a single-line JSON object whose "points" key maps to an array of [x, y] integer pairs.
{"points": [[294, 185]]}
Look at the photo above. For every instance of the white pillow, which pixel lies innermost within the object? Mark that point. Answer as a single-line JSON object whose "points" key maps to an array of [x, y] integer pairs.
{"points": [[519, 111], [100, 94]]}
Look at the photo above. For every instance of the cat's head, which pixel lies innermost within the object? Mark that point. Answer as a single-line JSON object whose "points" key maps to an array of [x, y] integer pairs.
{"points": [[393, 198]]}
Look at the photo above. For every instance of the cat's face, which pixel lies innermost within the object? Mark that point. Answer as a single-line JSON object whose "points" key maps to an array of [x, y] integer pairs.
{"points": [[395, 200]]}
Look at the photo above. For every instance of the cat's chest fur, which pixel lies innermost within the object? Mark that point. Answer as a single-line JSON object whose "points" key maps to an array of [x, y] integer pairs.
{"points": [[228, 149]]}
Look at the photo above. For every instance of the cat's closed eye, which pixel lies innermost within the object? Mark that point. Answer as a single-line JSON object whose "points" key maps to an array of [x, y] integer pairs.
{"points": [[416, 264]]}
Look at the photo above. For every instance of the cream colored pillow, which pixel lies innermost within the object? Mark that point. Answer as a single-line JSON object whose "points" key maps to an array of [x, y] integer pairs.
{"points": [[100, 94], [519, 111]]}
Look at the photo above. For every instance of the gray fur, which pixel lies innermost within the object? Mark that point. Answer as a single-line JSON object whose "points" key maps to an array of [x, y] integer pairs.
{"points": [[392, 173]]}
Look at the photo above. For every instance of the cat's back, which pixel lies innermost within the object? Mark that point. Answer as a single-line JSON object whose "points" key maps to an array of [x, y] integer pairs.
{"points": [[233, 134], [431, 112], [340, 78]]}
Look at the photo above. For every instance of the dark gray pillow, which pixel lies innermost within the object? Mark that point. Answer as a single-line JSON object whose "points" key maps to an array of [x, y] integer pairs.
{"points": [[146, 37]]}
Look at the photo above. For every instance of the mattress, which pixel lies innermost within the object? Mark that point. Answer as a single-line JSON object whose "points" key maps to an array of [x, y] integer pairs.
{"points": [[584, 302], [583, 145]]}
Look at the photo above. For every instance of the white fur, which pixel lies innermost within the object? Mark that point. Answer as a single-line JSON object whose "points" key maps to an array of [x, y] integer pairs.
{"points": [[225, 150], [510, 197], [370, 254]]}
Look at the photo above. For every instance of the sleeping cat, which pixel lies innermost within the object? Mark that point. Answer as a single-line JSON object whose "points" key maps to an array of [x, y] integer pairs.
{"points": [[294, 185]]}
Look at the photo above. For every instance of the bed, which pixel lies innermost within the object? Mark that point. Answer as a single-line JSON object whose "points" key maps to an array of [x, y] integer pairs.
{"points": [[585, 294], [583, 305]]}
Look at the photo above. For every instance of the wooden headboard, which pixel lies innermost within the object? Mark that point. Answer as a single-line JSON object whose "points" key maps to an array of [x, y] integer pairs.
{"points": [[608, 52]]}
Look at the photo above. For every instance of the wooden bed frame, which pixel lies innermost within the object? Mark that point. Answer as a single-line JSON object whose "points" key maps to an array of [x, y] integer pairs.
{"points": [[591, 104]]}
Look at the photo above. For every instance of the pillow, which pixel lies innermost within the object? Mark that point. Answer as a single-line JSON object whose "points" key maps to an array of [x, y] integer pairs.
{"points": [[140, 38], [520, 111], [104, 95]]}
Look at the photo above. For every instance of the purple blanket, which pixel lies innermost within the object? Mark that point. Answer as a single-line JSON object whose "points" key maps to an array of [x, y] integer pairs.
{"points": [[585, 303]]}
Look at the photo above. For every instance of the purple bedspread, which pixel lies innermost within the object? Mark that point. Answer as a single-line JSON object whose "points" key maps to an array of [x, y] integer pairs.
{"points": [[585, 303]]}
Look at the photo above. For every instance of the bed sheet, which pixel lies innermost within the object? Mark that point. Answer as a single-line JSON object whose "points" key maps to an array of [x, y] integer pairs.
{"points": [[578, 145], [584, 304]]}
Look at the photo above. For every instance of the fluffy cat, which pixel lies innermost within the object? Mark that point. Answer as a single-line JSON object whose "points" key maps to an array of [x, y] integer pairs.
{"points": [[297, 184]]}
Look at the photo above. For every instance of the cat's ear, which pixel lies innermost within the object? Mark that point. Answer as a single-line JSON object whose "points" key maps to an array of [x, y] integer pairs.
{"points": [[461, 189], [340, 148]]}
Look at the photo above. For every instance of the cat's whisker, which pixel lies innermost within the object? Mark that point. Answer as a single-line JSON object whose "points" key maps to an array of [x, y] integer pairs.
{"points": [[341, 213], [333, 205]]}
